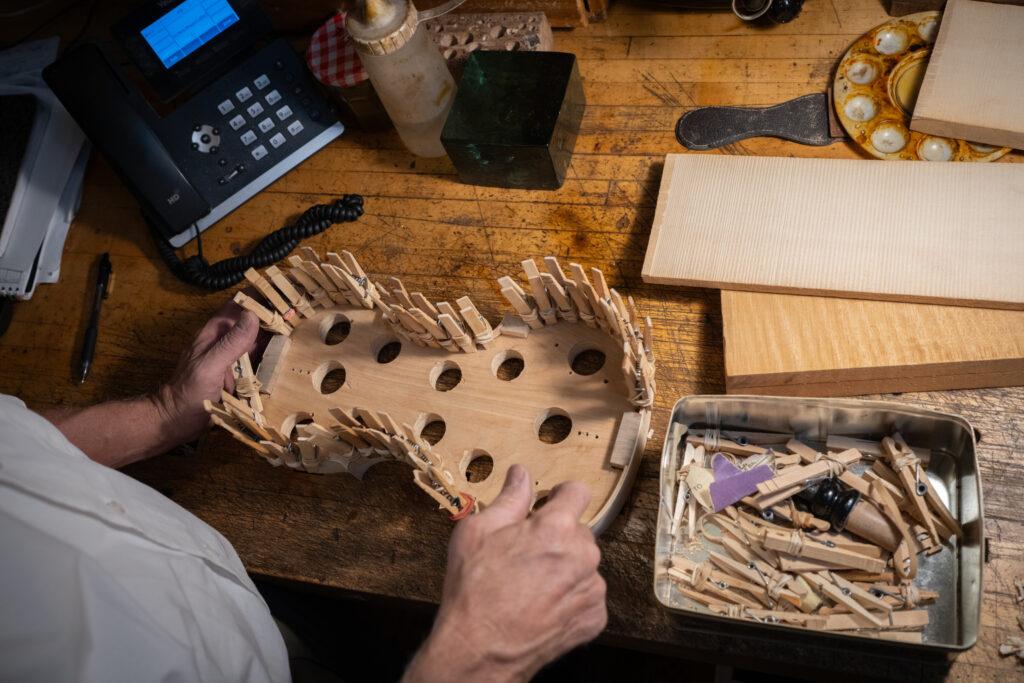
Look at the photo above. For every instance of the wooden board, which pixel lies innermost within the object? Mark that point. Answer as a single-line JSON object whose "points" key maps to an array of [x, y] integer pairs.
{"points": [[899, 8], [929, 233], [816, 346], [482, 415], [974, 85]]}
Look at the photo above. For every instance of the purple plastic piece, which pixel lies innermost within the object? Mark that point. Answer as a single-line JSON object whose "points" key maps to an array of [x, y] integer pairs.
{"points": [[731, 483]]}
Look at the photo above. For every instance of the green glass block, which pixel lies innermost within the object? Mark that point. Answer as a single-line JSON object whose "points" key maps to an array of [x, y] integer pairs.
{"points": [[515, 119]]}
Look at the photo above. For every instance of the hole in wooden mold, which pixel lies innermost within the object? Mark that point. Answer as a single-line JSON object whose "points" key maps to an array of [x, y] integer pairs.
{"points": [[294, 420], [554, 425], [386, 349], [432, 428], [478, 466], [335, 328], [329, 377], [586, 359], [542, 498], [507, 365], [445, 376]]}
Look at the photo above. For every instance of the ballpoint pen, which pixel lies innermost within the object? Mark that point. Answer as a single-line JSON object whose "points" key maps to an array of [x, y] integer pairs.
{"points": [[102, 291]]}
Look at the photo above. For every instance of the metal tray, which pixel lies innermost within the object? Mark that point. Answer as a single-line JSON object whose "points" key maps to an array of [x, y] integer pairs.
{"points": [[956, 572]]}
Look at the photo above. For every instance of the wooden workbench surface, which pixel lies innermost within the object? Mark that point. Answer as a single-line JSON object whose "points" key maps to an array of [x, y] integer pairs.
{"points": [[382, 536]]}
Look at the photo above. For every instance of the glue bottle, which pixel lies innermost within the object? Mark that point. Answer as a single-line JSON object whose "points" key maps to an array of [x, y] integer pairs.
{"points": [[406, 69]]}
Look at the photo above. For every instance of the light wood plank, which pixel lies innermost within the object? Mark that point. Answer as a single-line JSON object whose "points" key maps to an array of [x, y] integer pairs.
{"points": [[928, 233], [817, 346], [974, 85]]}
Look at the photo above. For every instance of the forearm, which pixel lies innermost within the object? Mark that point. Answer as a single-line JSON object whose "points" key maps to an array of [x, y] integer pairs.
{"points": [[118, 433]]}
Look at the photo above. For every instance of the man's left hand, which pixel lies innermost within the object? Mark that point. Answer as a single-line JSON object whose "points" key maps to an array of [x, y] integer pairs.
{"points": [[205, 369]]}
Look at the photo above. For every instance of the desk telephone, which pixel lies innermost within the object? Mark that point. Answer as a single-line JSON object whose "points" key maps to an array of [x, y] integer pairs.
{"points": [[253, 115]]}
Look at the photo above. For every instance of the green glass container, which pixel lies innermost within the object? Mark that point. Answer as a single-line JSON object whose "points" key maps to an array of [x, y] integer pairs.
{"points": [[515, 119]]}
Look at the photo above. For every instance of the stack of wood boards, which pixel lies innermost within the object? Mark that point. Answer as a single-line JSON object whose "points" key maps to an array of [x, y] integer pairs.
{"points": [[974, 86], [912, 232]]}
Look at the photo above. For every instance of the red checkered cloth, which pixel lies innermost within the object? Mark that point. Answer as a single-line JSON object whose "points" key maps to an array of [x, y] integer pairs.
{"points": [[332, 55]]}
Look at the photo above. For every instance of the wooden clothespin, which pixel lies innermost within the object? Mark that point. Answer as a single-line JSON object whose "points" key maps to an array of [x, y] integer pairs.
{"points": [[582, 304], [904, 557], [793, 479], [483, 333], [246, 384], [540, 294], [848, 595], [432, 326], [423, 305], [357, 294], [895, 619], [233, 428], [931, 496], [715, 444], [311, 286], [291, 294], [419, 334], [455, 331], [312, 269], [268, 292], [706, 580], [772, 589], [907, 467], [797, 544], [517, 297], [399, 292], [807, 454], [270, 320], [561, 298]]}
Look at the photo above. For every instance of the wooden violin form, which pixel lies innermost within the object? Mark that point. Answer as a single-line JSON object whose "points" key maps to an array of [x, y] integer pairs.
{"points": [[358, 372]]}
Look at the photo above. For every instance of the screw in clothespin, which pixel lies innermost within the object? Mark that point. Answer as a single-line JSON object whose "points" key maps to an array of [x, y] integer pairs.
{"points": [[920, 488]]}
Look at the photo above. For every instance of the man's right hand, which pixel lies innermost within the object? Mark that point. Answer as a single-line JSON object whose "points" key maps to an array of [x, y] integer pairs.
{"points": [[520, 589]]}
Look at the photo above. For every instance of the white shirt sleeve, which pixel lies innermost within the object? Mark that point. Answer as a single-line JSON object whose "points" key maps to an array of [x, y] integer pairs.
{"points": [[104, 579]]}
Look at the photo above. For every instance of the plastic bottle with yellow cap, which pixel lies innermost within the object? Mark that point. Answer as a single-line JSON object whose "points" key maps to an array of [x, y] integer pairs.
{"points": [[407, 70]]}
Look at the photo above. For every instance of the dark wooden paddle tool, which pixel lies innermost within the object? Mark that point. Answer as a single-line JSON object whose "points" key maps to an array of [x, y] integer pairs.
{"points": [[804, 120]]}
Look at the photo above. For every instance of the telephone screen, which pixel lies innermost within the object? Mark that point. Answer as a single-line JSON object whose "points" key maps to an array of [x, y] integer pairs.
{"points": [[188, 27]]}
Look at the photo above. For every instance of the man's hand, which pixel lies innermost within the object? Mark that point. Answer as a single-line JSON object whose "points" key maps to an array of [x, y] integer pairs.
{"points": [[519, 590], [117, 433], [205, 369]]}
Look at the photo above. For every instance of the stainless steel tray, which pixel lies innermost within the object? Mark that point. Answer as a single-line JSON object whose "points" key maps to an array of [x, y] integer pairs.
{"points": [[956, 573]]}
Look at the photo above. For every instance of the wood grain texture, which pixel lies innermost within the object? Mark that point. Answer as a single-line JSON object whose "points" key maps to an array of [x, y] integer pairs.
{"points": [[818, 346], [929, 233], [974, 85], [382, 538], [482, 415]]}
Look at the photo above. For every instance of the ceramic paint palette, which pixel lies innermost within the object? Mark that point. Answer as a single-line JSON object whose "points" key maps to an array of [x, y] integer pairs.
{"points": [[876, 86]]}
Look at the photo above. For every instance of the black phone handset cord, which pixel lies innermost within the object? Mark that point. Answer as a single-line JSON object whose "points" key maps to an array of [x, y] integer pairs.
{"points": [[223, 274]]}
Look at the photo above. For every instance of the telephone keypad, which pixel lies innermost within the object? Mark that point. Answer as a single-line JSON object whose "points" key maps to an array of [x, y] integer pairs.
{"points": [[261, 100]]}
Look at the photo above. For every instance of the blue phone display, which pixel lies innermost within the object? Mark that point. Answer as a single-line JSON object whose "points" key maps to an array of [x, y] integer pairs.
{"points": [[188, 27]]}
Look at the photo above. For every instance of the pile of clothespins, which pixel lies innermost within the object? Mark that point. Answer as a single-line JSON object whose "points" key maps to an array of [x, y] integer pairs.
{"points": [[767, 528]]}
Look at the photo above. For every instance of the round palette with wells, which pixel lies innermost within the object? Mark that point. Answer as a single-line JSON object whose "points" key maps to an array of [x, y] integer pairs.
{"points": [[876, 85]]}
